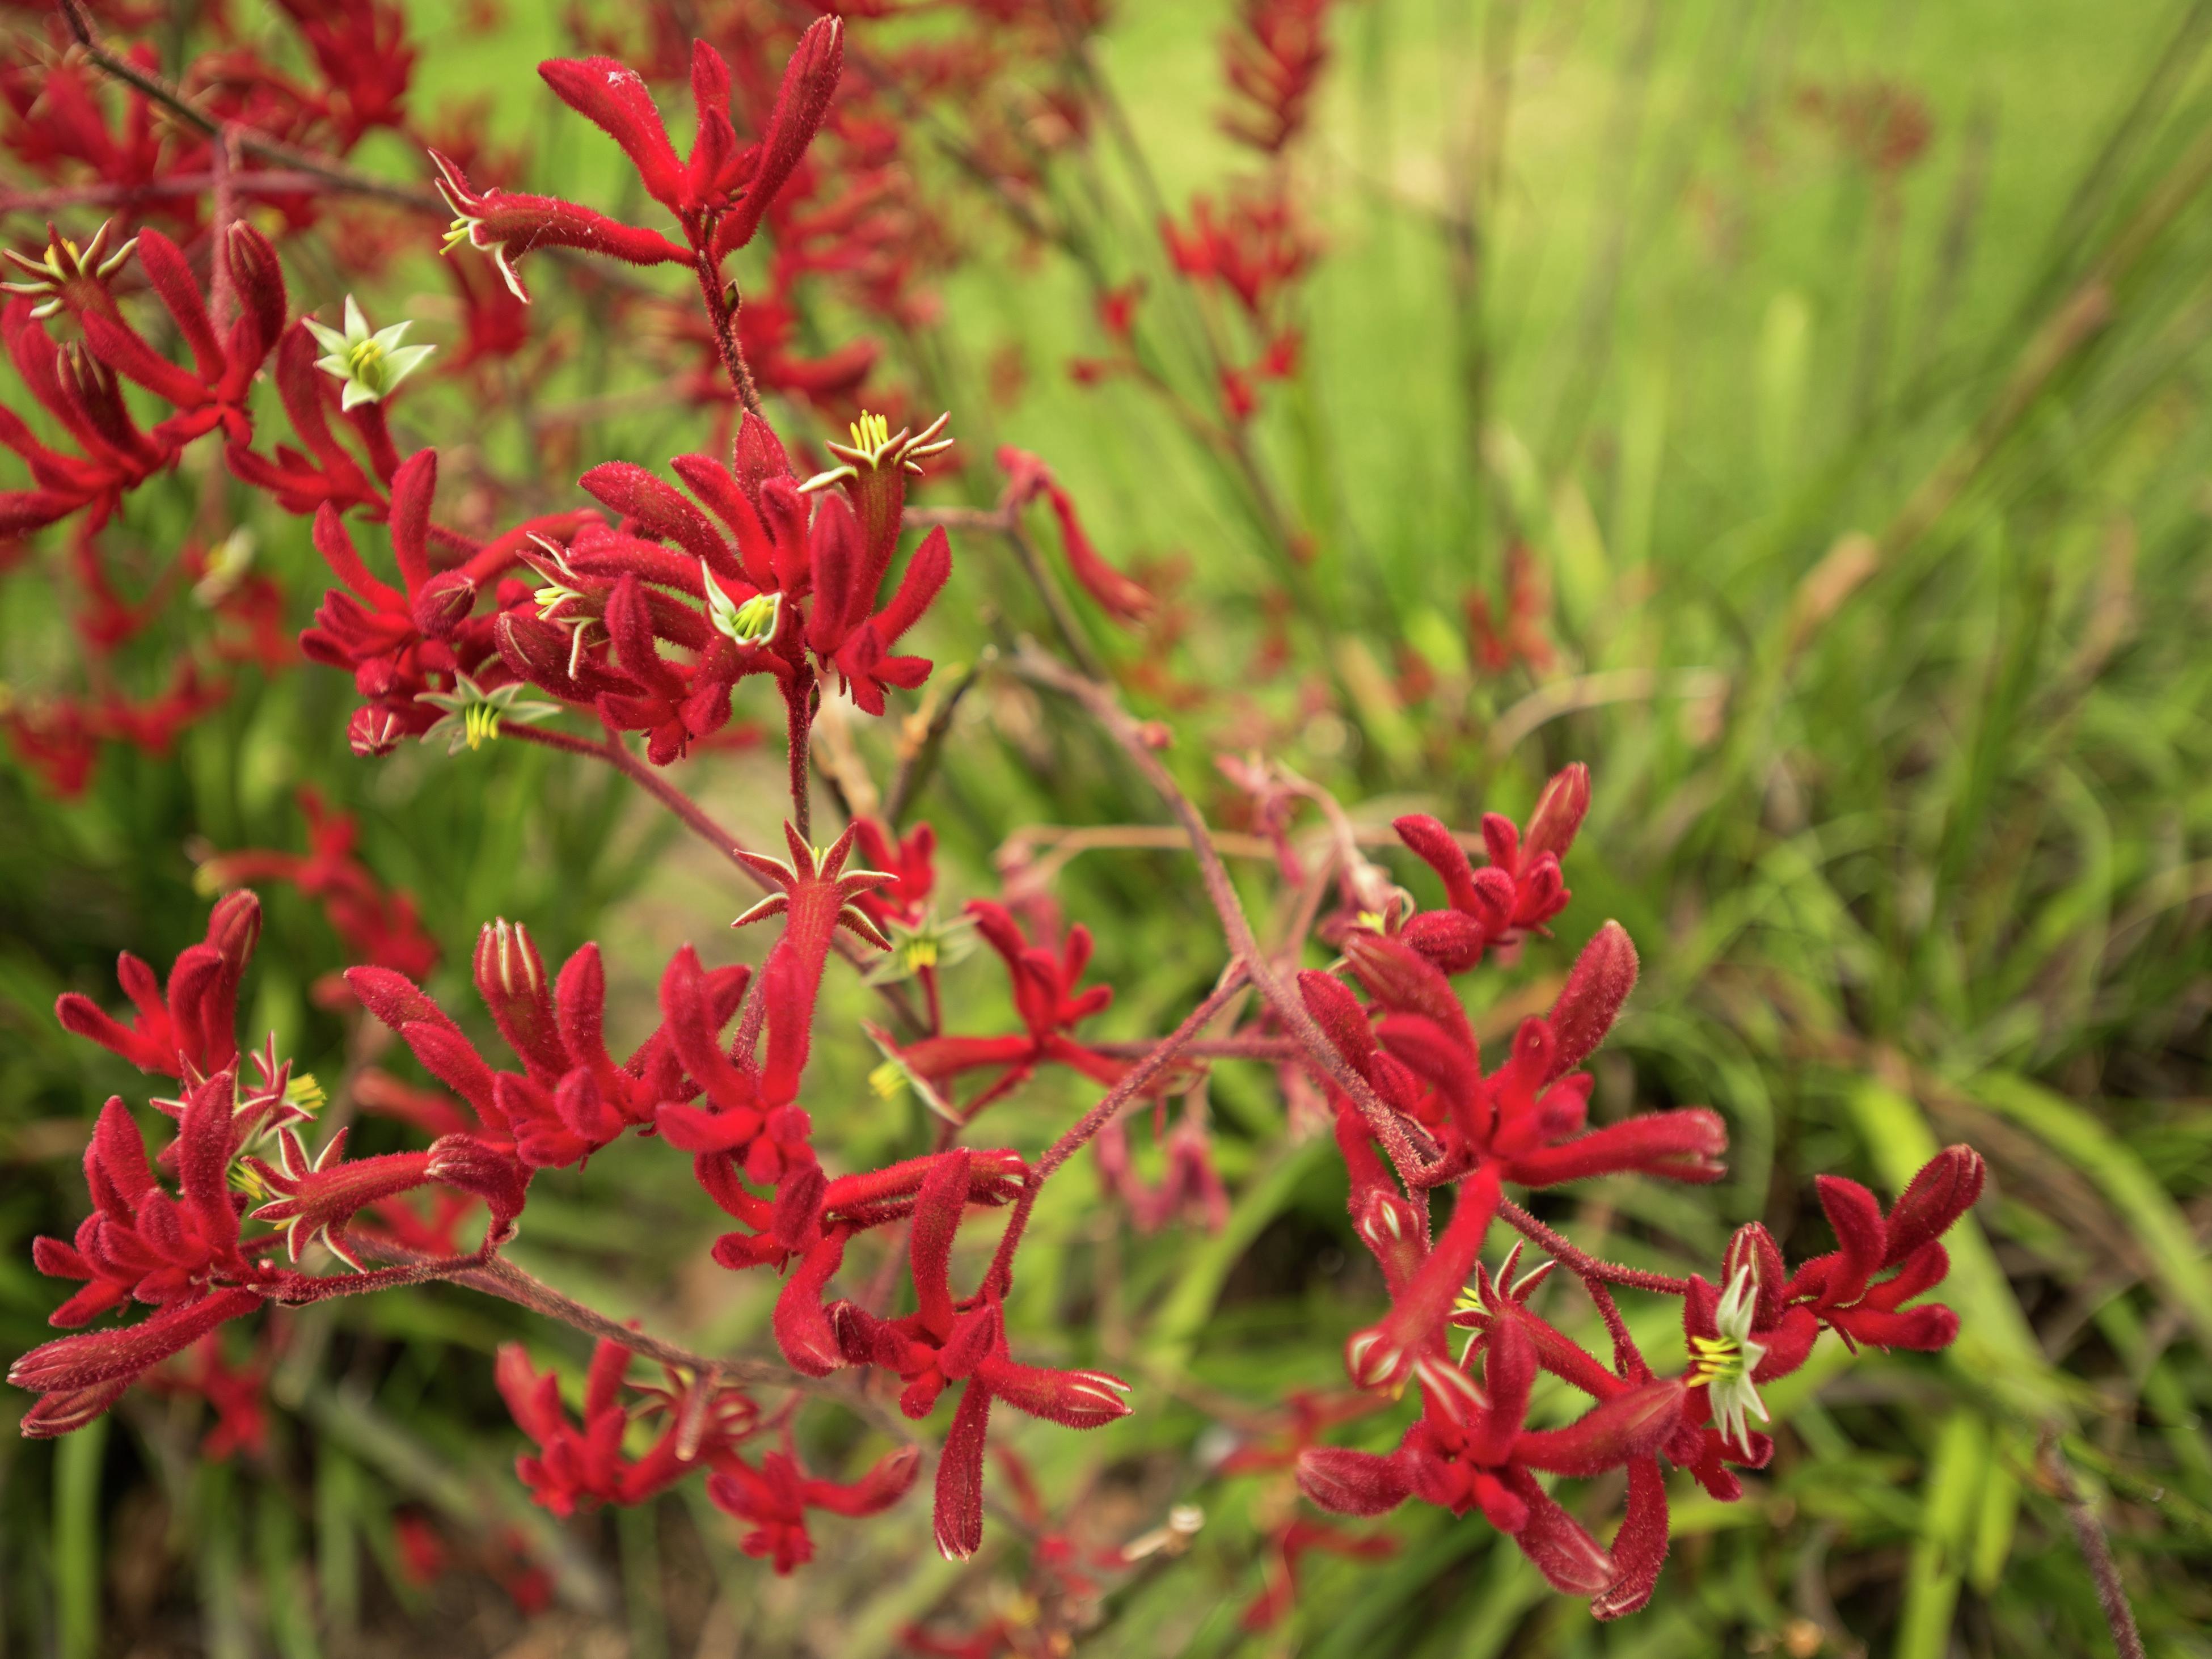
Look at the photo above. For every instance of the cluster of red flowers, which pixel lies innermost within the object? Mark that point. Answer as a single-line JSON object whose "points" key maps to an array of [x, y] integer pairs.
{"points": [[645, 617], [1255, 248]]}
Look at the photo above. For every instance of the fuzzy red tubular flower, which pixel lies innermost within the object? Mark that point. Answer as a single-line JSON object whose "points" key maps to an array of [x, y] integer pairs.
{"points": [[944, 1342], [579, 1467], [775, 1496], [79, 1377], [1048, 998], [317, 1197], [1471, 1448], [1126, 601], [189, 1028], [138, 1243], [506, 224], [1841, 1288]]}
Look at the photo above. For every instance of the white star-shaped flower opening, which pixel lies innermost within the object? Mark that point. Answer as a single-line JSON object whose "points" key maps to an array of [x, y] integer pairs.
{"points": [[1724, 1363], [474, 715], [308, 1220], [372, 365]]}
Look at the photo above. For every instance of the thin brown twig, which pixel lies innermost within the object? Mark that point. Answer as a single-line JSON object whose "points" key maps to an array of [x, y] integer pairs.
{"points": [[1280, 990], [268, 183], [1133, 1082]]}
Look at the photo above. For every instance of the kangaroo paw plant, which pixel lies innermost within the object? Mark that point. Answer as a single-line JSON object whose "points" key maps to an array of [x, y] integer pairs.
{"points": [[619, 625]]}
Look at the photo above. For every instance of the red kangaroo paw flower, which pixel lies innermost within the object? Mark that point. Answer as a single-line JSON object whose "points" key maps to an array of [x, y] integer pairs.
{"points": [[611, 97], [317, 1197], [1074, 1400], [1352, 1482], [1122, 598], [802, 1326], [1628, 1426], [1589, 1003], [1639, 1549], [70, 1369], [1556, 1544], [959, 1507], [810, 81], [1383, 1355], [1685, 1145]]}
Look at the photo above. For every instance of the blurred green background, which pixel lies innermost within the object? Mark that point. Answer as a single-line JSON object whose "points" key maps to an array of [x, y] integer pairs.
{"points": [[1843, 369]]}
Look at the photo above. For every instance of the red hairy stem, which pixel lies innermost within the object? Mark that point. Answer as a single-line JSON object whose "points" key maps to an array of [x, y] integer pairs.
{"points": [[725, 319], [222, 170], [1282, 995], [1584, 1265], [798, 726], [1271, 1050], [1139, 1076], [2096, 1549], [497, 1276]]}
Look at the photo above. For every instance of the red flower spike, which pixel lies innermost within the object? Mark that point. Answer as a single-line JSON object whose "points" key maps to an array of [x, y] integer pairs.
{"points": [[775, 1496], [1600, 981], [81, 1376], [506, 224], [1383, 1355], [317, 1198], [810, 81]]}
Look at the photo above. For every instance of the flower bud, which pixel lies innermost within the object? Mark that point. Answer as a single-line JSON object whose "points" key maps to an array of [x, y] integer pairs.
{"points": [[1558, 813], [1752, 1247], [1945, 1189], [1600, 981], [511, 978]]}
